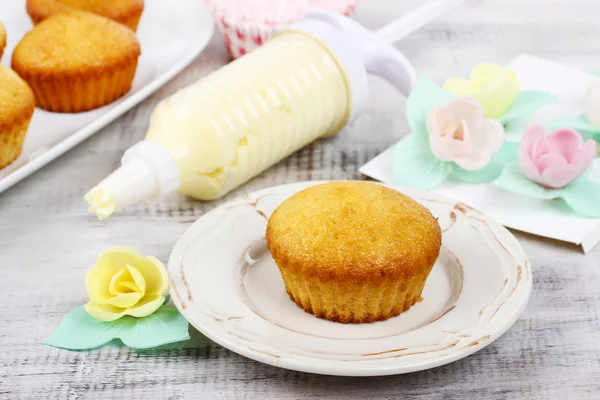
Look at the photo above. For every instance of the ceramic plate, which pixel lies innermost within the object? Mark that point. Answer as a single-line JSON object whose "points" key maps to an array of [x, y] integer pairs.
{"points": [[171, 34], [226, 284]]}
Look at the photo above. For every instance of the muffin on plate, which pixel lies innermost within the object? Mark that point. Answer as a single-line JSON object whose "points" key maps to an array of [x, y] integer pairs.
{"points": [[353, 252], [77, 61], [126, 12], [16, 109], [2, 39]]}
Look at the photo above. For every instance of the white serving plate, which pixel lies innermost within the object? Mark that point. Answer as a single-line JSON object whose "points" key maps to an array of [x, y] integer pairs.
{"points": [[171, 34], [226, 284]]}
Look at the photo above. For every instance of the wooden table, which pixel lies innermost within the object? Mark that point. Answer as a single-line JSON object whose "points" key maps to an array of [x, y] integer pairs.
{"points": [[48, 241]]}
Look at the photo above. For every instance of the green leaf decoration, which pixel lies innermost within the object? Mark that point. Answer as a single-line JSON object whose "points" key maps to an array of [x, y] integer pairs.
{"points": [[526, 103], [513, 136], [581, 125], [483, 175], [513, 130], [80, 331], [508, 153], [582, 196], [513, 180], [424, 96], [414, 165]]}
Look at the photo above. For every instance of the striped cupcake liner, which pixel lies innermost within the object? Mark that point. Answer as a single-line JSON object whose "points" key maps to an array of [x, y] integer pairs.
{"points": [[245, 30]]}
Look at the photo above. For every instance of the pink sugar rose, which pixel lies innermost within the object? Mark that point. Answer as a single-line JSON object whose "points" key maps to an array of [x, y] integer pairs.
{"points": [[556, 160]]}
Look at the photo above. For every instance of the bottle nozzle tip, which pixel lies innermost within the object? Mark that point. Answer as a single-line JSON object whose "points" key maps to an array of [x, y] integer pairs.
{"points": [[101, 202]]}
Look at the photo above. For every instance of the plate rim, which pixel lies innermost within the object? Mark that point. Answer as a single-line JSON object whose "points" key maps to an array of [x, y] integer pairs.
{"points": [[192, 51], [350, 369]]}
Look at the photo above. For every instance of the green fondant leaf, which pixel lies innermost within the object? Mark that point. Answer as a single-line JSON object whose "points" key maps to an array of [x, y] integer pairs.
{"points": [[424, 96], [513, 131], [415, 166], [80, 331], [526, 103], [483, 175], [583, 196], [509, 152], [513, 180]]}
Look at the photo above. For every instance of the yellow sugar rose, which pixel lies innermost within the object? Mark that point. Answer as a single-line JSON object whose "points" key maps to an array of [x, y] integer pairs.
{"points": [[493, 87], [124, 282]]}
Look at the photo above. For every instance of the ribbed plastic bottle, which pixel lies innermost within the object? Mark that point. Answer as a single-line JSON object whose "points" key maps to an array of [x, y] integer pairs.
{"points": [[307, 82]]}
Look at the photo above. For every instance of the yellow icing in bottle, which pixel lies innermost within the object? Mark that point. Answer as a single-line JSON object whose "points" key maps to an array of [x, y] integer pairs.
{"points": [[306, 82], [250, 114]]}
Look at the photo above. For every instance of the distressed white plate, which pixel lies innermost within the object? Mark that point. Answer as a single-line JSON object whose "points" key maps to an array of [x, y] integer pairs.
{"points": [[171, 34], [226, 284]]}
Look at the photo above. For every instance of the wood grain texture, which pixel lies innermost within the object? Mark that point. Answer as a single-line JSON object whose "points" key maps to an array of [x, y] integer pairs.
{"points": [[48, 241]]}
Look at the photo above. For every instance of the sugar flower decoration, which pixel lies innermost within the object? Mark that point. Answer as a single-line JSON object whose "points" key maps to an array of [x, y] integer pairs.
{"points": [[123, 282], [459, 132], [556, 160], [127, 296], [554, 167], [452, 136], [493, 87]]}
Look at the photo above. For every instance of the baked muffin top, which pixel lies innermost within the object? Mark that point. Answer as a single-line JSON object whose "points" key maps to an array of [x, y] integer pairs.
{"points": [[118, 10], [354, 229], [16, 98], [74, 41]]}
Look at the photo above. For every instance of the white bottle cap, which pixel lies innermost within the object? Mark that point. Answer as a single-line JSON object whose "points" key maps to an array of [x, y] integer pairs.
{"points": [[360, 52], [147, 173]]}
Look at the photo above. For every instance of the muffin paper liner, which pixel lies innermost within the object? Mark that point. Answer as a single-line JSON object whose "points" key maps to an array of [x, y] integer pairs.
{"points": [[243, 33], [81, 92], [346, 302], [11, 140]]}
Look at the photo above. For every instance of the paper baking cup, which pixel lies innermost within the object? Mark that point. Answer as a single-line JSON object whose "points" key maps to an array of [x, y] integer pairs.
{"points": [[72, 93], [246, 25], [11, 140]]}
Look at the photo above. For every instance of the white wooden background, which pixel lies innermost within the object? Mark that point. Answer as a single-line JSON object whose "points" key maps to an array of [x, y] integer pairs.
{"points": [[48, 241]]}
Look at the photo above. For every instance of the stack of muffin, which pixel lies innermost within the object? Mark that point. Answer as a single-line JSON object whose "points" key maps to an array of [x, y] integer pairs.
{"points": [[81, 55]]}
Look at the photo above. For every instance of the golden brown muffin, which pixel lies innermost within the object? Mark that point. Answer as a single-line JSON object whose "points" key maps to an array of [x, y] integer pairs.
{"points": [[76, 61], [126, 12], [353, 252], [16, 109], [2, 39]]}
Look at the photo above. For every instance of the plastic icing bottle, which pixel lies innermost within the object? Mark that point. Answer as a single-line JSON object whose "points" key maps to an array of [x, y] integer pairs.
{"points": [[305, 83]]}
